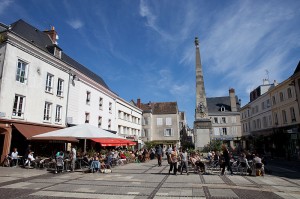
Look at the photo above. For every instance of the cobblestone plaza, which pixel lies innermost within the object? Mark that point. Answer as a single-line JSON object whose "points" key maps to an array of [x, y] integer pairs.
{"points": [[143, 180]]}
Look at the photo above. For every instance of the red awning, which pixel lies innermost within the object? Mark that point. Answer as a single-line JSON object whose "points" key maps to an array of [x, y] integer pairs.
{"points": [[113, 142]]}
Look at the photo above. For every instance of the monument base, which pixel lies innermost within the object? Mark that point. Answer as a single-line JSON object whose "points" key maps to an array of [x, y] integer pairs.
{"points": [[202, 129]]}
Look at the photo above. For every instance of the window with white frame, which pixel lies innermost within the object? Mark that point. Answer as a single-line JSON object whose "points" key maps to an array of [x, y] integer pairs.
{"points": [[293, 115], [119, 129], [110, 107], [276, 118], [100, 103], [216, 131], [119, 114], [265, 122], [159, 121], [270, 120], [21, 74], [19, 105], [47, 111], [109, 124], [222, 108], [274, 100], [224, 131], [258, 123], [289, 92], [58, 113], [233, 119], [234, 130], [169, 121], [145, 133], [88, 97], [87, 118], [146, 120], [284, 119], [99, 121], [168, 132], [254, 124], [216, 120], [223, 119], [268, 103], [281, 96], [49, 83], [60, 87]]}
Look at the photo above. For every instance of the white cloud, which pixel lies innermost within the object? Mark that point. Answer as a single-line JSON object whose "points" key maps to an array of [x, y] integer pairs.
{"points": [[4, 5], [75, 23]]}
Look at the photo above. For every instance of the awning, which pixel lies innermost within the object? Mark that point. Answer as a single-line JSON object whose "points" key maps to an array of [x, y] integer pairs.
{"points": [[29, 130], [113, 142]]}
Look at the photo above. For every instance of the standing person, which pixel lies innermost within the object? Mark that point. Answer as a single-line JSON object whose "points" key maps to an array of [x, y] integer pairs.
{"points": [[73, 158], [158, 152], [173, 160], [184, 161], [163, 151], [226, 162]]}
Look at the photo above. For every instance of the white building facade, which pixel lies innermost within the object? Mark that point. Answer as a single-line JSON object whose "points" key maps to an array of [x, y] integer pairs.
{"points": [[42, 89]]}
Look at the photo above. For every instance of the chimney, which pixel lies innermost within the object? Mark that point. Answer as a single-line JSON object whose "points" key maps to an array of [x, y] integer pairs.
{"points": [[52, 34], [232, 100], [275, 83], [138, 103]]}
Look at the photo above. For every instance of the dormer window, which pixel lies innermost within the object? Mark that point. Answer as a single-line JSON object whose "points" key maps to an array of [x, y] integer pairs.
{"points": [[222, 109]]}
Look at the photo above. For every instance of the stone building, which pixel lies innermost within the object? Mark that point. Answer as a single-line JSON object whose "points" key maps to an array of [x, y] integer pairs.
{"points": [[225, 118]]}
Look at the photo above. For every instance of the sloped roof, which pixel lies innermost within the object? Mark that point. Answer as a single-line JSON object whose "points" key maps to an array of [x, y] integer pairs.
{"points": [[214, 104], [160, 107], [42, 40], [297, 68]]}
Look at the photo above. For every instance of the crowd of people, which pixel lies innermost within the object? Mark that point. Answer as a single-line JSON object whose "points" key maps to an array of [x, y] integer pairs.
{"points": [[178, 159]]}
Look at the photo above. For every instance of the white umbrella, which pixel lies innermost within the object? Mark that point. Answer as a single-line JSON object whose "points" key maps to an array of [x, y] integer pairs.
{"points": [[81, 131]]}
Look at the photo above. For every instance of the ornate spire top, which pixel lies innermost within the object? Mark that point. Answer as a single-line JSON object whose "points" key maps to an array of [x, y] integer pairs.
{"points": [[196, 42]]}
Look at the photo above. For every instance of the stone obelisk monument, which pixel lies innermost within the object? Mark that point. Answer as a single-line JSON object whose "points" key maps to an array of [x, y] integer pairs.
{"points": [[202, 123]]}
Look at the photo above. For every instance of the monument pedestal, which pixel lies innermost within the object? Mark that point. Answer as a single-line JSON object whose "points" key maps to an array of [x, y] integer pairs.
{"points": [[202, 129]]}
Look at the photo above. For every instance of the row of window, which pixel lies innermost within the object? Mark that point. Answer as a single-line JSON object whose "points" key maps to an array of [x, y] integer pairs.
{"points": [[22, 75], [87, 120], [282, 96], [159, 121], [88, 100], [128, 131], [168, 132], [130, 118], [222, 120], [225, 131], [266, 104], [267, 120], [19, 109]]}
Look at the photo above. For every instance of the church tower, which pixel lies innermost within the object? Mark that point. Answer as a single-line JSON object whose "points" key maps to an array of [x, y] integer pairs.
{"points": [[202, 123]]}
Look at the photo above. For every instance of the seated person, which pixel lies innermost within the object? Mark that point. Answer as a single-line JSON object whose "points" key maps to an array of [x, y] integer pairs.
{"points": [[95, 163], [59, 162], [122, 158], [30, 158], [14, 157], [257, 164], [244, 163]]}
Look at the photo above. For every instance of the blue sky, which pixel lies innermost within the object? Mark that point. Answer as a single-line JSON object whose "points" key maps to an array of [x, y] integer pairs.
{"points": [[145, 49]]}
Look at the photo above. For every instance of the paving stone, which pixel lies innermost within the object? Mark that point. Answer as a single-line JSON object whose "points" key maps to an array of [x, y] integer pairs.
{"points": [[227, 193]]}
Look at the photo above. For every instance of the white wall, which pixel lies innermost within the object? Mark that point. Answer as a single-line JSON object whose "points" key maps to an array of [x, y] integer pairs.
{"points": [[78, 107], [33, 89], [133, 122]]}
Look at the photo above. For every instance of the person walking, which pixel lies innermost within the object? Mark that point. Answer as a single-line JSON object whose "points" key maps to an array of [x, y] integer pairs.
{"points": [[184, 161], [173, 161], [158, 152], [226, 162]]}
